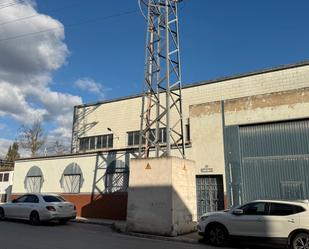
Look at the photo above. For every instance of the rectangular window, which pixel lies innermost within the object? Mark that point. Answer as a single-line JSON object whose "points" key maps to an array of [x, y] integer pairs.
{"points": [[6, 177], [97, 142], [92, 143], [72, 183], [84, 144], [188, 133], [133, 138], [110, 141], [1, 177], [3, 198]]}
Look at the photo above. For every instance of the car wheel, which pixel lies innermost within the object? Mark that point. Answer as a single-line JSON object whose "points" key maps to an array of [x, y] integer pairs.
{"points": [[34, 218], [2, 215], [216, 235], [301, 241]]}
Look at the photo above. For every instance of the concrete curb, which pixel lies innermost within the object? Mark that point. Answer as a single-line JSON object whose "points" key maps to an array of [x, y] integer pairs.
{"points": [[93, 222], [157, 237], [120, 228]]}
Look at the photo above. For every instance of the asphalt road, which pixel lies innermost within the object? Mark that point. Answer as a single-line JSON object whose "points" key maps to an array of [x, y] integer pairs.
{"points": [[20, 235]]}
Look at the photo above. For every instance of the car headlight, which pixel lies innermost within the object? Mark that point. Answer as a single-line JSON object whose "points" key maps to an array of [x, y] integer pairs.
{"points": [[203, 218]]}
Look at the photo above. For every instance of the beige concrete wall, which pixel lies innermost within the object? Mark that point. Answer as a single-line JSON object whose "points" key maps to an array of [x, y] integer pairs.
{"points": [[206, 122], [207, 138], [123, 116], [162, 196], [285, 105], [52, 169]]}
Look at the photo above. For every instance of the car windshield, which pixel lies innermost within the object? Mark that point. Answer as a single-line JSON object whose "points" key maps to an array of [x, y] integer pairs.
{"points": [[52, 198]]}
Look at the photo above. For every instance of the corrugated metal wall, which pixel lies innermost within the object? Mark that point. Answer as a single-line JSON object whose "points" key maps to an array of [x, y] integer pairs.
{"points": [[272, 163]]}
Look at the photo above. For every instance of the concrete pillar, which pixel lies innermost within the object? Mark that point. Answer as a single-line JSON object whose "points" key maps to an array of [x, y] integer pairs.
{"points": [[162, 196]]}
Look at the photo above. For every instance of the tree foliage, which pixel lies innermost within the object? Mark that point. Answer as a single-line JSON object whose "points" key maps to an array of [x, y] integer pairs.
{"points": [[12, 153], [32, 137]]}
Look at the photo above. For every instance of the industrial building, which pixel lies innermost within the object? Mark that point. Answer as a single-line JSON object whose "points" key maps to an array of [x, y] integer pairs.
{"points": [[248, 135]]}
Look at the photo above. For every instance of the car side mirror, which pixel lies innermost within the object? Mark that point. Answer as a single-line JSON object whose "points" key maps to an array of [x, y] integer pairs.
{"points": [[238, 212], [14, 201]]}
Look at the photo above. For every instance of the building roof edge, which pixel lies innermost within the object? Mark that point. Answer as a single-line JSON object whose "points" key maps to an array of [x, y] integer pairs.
{"points": [[213, 81]]}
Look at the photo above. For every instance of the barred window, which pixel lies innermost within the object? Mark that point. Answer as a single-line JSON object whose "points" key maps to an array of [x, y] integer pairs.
{"points": [[71, 183], [72, 178], [33, 184], [34, 180]]}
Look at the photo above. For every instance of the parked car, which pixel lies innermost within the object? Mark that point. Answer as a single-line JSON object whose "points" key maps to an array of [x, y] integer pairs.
{"points": [[280, 222], [39, 207]]}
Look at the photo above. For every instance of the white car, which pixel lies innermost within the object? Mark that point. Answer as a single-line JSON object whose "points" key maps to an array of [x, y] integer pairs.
{"points": [[39, 207], [262, 222]]}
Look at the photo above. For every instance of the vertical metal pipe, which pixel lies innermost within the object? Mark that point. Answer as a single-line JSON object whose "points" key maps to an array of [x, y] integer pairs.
{"points": [[168, 131]]}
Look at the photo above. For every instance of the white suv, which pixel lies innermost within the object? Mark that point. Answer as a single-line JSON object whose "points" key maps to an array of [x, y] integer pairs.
{"points": [[274, 221]]}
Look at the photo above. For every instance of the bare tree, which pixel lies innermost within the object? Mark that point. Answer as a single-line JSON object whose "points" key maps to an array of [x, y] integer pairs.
{"points": [[58, 148], [32, 137]]}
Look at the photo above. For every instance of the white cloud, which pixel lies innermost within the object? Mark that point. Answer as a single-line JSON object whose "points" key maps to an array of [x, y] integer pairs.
{"points": [[2, 126], [4, 146], [26, 65], [89, 85]]}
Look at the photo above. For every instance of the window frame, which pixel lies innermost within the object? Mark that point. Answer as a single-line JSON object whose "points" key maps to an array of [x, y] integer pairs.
{"points": [[91, 143], [6, 177], [267, 208], [37, 200], [134, 136], [71, 183], [28, 178], [293, 206]]}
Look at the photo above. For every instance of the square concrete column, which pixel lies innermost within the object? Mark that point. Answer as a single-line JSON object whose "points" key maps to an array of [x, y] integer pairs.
{"points": [[162, 196]]}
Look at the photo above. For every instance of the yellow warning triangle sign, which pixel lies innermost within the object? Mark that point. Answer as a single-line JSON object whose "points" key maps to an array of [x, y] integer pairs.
{"points": [[148, 166]]}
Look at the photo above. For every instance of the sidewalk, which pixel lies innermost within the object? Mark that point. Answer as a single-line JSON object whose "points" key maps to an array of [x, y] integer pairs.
{"points": [[120, 226]]}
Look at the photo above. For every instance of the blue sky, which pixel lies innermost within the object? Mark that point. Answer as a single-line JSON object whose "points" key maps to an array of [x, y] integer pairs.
{"points": [[218, 38]]}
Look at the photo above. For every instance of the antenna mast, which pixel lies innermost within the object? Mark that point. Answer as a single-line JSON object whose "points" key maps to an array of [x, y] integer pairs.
{"points": [[161, 116]]}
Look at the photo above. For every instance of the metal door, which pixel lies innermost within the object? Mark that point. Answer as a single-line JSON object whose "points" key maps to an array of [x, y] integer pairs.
{"points": [[209, 192]]}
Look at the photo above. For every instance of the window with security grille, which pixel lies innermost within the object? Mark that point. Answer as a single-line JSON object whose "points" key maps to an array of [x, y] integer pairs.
{"points": [[71, 183], [117, 181], [33, 184]]}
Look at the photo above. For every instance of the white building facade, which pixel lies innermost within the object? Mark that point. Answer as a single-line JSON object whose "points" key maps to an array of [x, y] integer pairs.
{"points": [[6, 182], [219, 117]]}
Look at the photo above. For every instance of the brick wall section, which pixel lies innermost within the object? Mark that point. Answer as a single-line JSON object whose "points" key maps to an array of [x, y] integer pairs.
{"points": [[109, 206]]}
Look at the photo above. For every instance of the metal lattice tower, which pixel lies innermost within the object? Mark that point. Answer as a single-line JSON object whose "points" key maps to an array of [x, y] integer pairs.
{"points": [[161, 117]]}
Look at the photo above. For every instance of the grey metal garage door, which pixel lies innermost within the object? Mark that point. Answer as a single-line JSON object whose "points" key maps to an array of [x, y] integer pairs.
{"points": [[271, 161], [209, 190]]}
